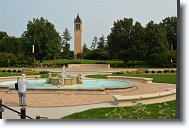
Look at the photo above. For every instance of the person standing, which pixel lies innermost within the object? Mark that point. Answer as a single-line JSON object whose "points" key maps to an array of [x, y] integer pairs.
{"points": [[22, 82]]}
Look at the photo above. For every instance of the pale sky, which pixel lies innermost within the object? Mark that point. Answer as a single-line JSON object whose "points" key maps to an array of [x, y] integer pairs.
{"points": [[97, 15]]}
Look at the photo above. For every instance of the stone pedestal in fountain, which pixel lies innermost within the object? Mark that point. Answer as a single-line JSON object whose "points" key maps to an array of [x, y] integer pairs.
{"points": [[70, 81], [66, 81], [55, 80], [52, 80]]}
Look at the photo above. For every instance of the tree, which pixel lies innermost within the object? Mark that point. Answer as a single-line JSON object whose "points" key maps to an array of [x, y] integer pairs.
{"points": [[120, 40], [7, 59], [101, 42], [65, 45], [11, 45], [66, 36], [66, 51], [94, 43], [136, 46], [42, 34], [2, 35], [169, 24], [156, 44], [85, 49]]}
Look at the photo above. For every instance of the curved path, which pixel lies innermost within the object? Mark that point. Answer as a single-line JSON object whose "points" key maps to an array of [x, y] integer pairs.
{"points": [[69, 99]]}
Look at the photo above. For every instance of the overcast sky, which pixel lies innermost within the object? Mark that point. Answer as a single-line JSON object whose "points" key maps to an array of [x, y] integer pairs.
{"points": [[97, 15]]}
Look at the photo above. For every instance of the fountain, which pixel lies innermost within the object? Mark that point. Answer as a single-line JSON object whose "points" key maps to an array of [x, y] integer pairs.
{"points": [[64, 79]]}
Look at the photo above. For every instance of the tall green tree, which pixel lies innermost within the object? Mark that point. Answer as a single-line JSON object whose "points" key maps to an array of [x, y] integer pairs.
{"points": [[136, 45], [156, 44], [94, 43], [101, 43], [66, 54], [11, 45], [169, 24], [120, 40], [41, 33], [66, 37], [85, 48]]}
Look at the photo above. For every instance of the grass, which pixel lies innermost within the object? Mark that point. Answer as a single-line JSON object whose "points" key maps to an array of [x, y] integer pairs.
{"points": [[60, 62], [82, 61], [9, 74], [100, 113], [19, 74], [157, 78]]}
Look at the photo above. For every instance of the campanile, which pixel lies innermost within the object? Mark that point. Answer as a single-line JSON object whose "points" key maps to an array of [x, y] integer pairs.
{"points": [[77, 35]]}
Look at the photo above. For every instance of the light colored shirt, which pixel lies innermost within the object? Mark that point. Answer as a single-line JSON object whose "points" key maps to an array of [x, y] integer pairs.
{"points": [[22, 84]]}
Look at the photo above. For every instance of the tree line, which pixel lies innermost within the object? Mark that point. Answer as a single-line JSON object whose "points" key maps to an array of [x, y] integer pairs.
{"points": [[48, 44], [155, 44]]}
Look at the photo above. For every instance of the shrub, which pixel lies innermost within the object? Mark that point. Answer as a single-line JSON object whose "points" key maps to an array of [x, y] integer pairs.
{"points": [[19, 71], [4, 70], [153, 72], [14, 71], [43, 72], [172, 71], [132, 72], [159, 72], [100, 63], [136, 64], [166, 71], [32, 72], [118, 72], [146, 71], [117, 65], [166, 113], [8, 70], [139, 111], [54, 65]]}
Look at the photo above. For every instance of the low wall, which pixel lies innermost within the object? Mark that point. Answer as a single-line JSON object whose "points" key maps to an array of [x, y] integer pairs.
{"points": [[88, 66], [127, 78], [146, 98], [8, 78]]}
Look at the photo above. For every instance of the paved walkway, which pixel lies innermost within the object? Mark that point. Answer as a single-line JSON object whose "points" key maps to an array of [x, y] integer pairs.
{"points": [[60, 99], [52, 112]]}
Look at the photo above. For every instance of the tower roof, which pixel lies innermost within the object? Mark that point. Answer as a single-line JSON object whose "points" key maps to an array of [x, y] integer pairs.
{"points": [[78, 19]]}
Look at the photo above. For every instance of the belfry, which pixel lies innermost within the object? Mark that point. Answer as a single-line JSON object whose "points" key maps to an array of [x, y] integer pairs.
{"points": [[77, 35]]}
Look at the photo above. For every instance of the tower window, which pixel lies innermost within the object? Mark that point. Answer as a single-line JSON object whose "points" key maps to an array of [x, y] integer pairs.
{"points": [[77, 26]]}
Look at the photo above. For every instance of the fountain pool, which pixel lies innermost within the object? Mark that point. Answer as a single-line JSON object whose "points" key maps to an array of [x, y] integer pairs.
{"points": [[40, 83]]}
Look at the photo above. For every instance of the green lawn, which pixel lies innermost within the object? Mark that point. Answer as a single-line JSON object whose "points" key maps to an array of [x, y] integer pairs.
{"points": [[19, 74], [60, 62], [82, 61], [157, 78], [100, 113], [9, 74]]}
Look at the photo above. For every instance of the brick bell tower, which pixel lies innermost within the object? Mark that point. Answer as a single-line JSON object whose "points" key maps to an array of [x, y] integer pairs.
{"points": [[77, 35]]}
